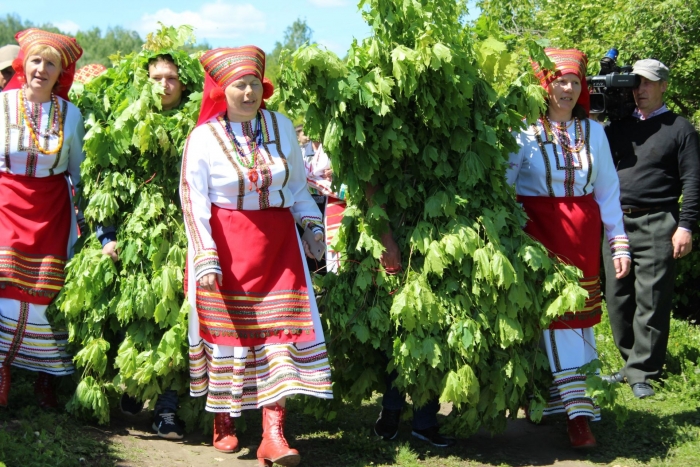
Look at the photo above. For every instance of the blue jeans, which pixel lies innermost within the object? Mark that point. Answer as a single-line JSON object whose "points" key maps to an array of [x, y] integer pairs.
{"points": [[423, 417], [166, 402]]}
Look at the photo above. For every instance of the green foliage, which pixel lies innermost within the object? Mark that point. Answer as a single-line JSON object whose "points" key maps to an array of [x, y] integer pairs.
{"points": [[98, 47], [296, 35], [127, 321], [413, 112]]}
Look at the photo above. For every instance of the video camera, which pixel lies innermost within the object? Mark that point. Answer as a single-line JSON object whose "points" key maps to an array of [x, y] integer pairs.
{"points": [[611, 90]]}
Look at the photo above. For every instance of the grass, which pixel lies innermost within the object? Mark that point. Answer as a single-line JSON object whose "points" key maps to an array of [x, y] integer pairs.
{"points": [[32, 437], [661, 431]]}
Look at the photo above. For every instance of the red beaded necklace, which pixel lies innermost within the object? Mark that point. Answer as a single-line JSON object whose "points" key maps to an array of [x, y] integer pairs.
{"points": [[253, 149]]}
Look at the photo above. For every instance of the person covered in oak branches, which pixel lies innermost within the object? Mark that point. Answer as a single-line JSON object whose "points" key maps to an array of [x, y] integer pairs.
{"points": [[163, 70], [254, 329], [425, 423], [565, 180], [42, 136]]}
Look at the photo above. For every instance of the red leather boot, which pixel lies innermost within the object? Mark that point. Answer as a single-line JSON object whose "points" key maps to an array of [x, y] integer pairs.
{"points": [[4, 384], [274, 447], [580, 433], [43, 390], [225, 439]]}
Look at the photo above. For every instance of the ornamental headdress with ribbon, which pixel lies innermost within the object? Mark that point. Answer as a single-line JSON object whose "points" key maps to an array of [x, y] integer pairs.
{"points": [[222, 67], [67, 48], [566, 61]]}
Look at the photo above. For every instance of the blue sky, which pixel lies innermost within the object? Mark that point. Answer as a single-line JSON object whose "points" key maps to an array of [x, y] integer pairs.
{"points": [[220, 22]]}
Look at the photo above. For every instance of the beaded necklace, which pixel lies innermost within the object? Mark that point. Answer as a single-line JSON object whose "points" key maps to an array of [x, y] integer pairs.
{"points": [[554, 132], [253, 149], [57, 123]]}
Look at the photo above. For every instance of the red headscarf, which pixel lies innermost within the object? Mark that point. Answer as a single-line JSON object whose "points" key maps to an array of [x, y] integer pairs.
{"points": [[89, 72], [566, 61], [67, 47], [222, 67]]}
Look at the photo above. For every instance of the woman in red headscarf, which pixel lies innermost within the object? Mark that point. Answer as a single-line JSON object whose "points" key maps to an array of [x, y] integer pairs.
{"points": [[41, 134], [565, 179], [254, 329]]}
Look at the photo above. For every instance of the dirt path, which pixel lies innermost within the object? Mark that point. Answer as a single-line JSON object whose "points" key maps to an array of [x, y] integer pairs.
{"points": [[522, 444]]}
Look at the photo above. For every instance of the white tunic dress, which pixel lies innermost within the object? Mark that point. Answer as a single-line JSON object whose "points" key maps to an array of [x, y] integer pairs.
{"points": [[40, 348], [239, 378], [533, 174]]}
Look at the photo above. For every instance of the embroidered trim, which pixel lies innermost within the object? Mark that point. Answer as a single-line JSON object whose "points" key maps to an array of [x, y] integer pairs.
{"points": [[37, 275], [227, 152], [555, 352], [620, 246], [545, 156], [187, 204], [588, 155], [16, 344], [245, 315], [278, 143]]}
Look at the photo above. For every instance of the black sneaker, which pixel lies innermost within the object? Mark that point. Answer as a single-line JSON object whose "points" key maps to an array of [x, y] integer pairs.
{"points": [[130, 405], [167, 426], [432, 435], [387, 425]]}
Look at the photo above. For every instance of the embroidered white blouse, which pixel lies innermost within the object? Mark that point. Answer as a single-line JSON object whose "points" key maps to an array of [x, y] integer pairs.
{"points": [[19, 153], [589, 171], [212, 173]]}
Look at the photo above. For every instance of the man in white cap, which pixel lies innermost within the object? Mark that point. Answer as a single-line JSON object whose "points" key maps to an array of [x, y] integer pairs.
{"points": [[657, 156], [7, 54]]}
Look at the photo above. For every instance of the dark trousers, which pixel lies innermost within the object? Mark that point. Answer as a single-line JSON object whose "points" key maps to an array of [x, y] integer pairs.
{"points": [[423, 417], [639, 305]]}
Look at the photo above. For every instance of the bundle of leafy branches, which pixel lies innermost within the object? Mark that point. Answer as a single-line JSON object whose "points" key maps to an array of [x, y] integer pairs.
{"points": [[127, 329], [412, 112]]}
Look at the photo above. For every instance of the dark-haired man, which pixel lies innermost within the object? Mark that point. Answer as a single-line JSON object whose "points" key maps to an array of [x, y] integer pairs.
{"points": [[161, 69], [657, 157]]}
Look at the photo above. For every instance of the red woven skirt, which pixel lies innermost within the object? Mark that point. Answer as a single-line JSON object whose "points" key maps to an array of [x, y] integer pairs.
{"points": [[35, 222], [570, 228], [264, 297]]}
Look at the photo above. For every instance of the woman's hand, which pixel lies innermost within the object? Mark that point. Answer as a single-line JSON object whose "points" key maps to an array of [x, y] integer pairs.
{"points": [[209, 281], [391, 256], [622, 266], [318, 236], [110, 249]]}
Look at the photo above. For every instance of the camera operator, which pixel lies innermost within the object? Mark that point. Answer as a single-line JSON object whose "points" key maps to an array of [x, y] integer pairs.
{"points": [[657, 157]]}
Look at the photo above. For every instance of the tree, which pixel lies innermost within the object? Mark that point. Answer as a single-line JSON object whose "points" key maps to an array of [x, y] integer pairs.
{"points": [[296, 35], [98, 48], [412, 111]]}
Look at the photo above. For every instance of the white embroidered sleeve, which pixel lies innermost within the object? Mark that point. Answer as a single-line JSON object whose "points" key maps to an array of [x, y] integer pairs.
{"points": [[196, 205], [606, 191], [76, 156]]}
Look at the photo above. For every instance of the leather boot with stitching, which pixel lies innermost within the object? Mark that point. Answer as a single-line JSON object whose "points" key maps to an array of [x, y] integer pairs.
{"points": [[274, 448], [225, 439]]}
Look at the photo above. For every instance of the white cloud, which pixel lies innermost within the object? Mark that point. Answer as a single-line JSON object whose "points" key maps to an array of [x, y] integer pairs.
{"points": [[328, 3], [219, 20], [68, 26]]}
